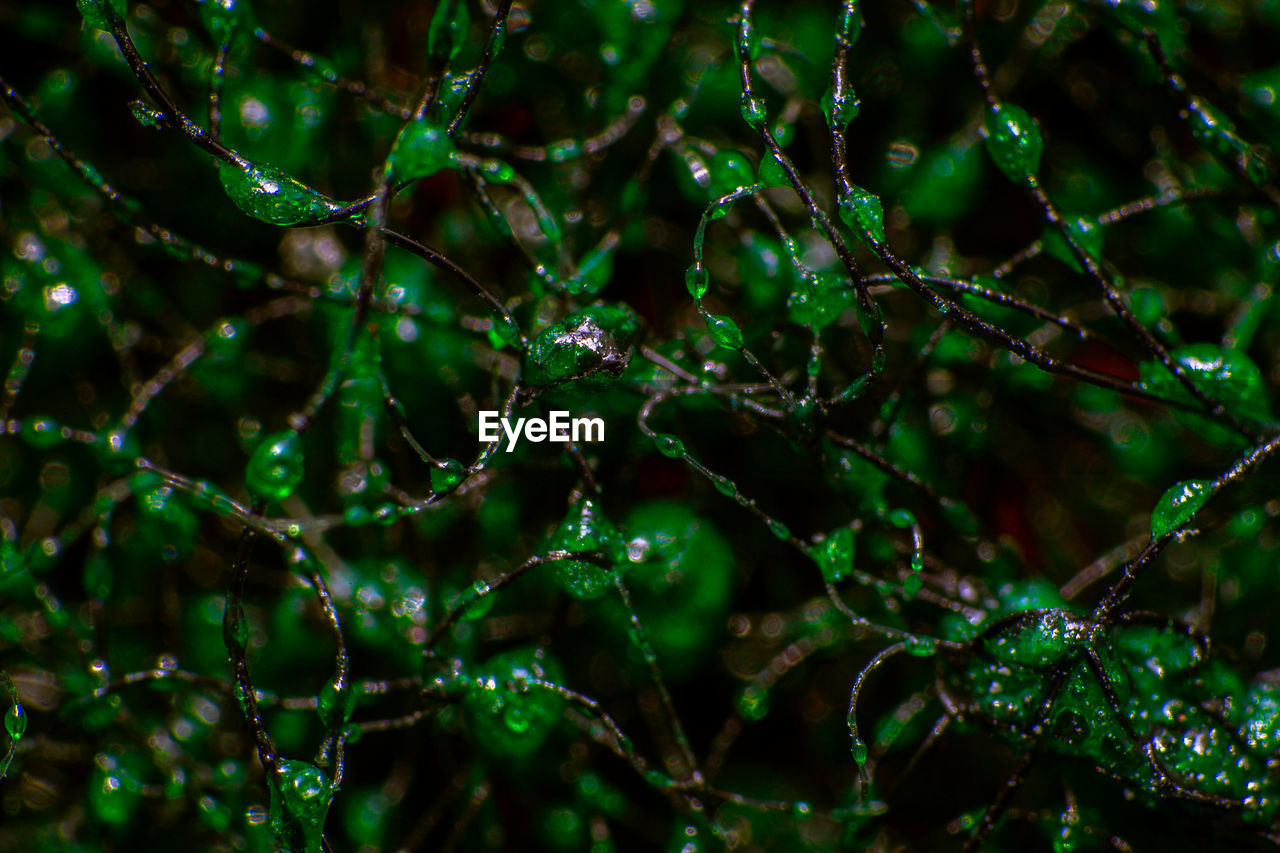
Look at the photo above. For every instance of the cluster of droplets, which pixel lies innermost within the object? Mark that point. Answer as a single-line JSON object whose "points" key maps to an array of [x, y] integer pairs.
{"points": [[1146, 704]]}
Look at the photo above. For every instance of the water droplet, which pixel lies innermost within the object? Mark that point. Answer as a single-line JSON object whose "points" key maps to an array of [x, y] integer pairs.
{"points": [[272, 195], [586, 528], [859, 750], [447, 477], [1178, 504], [724, 331], [590, 348], [669, 445], [276, 467], [863, 213], [819, 300], [1228, 375], [300, 800], [842, 110], [508, 717], [724, 485], [335, 702], [753, 111], [696, 281], [15, 721], [1014, 141]]}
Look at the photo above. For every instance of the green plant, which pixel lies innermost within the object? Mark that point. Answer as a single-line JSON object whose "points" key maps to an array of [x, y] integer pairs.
{"points": [[890, 348]]}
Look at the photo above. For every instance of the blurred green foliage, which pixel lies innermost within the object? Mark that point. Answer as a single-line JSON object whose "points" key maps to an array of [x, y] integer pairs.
{"points": [[960, 533]]}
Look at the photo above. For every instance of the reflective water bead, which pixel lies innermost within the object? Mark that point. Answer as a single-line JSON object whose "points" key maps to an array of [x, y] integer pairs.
{"points": [[1228, 375], [724, 485], [447, 476], [336, 701], [276, 467], [724, 331], [859, 751], [1041, 641], [586, 528], [300, 800], [753, 111], [506, 719], [15, 721], [272, 195], [863, 213], [839, 111], [696, 281], [1013, 141], [669, 445], [421, 150], [590, 348], [1178, 504], [819, 300]]}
